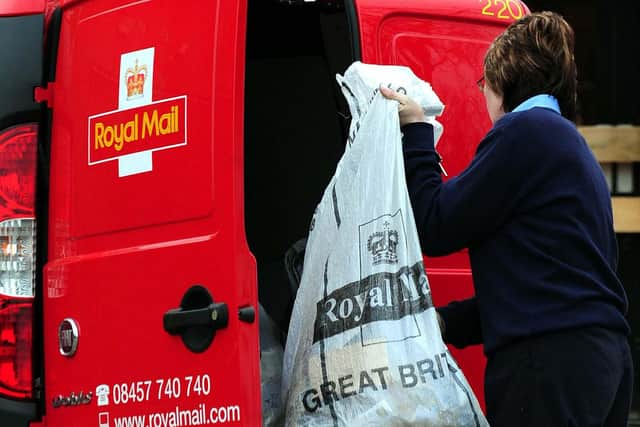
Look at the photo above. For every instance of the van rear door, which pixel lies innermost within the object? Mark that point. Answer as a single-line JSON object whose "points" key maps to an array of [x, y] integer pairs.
{"points": [[150, 288], [443, 41]]}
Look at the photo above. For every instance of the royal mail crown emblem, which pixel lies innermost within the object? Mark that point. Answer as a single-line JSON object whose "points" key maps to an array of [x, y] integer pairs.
{"points": [[135, 78], [383, 246]]}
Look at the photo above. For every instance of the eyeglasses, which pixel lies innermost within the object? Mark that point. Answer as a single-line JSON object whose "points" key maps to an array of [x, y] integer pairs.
{"points": [[481, 84]]}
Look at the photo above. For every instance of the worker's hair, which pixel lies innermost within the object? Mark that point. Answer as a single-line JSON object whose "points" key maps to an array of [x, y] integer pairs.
{"points": [[534, 56]]}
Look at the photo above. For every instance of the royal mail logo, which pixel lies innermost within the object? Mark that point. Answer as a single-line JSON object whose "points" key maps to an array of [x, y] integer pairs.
{"points": [[159, 125], [135, 78], [383, 246], [383, 296], [393, 294], [140, 125], [382, 243]]}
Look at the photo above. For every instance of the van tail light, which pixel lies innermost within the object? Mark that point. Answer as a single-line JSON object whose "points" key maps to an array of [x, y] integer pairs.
{"points": [[18, 148]]}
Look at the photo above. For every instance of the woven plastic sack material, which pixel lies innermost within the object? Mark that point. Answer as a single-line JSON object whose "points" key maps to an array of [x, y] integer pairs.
{"points": [[364, 346], [361, 81]]}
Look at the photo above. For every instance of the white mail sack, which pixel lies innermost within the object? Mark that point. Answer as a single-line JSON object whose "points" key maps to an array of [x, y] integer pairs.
{"points": [[364, 346]]}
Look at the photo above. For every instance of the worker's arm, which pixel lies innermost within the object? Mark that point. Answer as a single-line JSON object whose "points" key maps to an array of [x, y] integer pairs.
{"points": [[466, 209]]}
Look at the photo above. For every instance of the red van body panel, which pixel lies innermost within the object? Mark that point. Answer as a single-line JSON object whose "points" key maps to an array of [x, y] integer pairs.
{"points": [[145, 202], [444, 42], [21, 7]]}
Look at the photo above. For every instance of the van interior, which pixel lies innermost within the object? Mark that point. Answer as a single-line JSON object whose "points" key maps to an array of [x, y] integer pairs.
{"points": [[296, 124]]}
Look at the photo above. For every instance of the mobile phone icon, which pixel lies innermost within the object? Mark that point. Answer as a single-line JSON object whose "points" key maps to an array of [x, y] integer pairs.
{"points": [[103, 419]]}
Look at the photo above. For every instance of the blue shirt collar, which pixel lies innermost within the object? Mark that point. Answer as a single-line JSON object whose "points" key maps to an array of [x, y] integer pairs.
{"points": [[544, 101]]}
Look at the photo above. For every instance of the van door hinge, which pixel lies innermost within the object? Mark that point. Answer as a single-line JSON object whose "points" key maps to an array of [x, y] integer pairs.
{"points": [[45, 94]]}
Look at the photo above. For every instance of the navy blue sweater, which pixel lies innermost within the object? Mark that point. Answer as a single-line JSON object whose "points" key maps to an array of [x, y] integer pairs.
{"points": [[534, 210]]}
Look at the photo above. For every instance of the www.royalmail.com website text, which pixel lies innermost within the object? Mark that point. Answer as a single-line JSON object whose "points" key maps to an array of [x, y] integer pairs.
{"points": [[199, 416]]}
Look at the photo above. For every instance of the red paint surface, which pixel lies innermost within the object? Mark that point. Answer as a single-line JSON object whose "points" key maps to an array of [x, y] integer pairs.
{"points": [[21, 7], [123, 251]]}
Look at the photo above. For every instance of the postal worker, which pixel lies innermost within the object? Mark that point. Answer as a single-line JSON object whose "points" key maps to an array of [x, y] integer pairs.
{"points": [[535, 212]]}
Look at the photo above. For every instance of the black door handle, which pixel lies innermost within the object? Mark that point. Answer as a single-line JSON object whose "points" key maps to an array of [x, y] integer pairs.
{"points": [[197, 319], [216, 316]]}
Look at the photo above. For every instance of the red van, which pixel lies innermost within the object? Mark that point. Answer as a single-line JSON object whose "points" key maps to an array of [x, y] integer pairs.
{"points": [[178, 151]]}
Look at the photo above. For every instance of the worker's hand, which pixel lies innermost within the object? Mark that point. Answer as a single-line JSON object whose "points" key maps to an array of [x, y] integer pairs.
{"points": [[408, 110]]}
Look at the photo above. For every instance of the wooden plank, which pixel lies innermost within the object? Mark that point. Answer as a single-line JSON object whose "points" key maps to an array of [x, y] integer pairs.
{"points": [[626, 214], [613, 143]]}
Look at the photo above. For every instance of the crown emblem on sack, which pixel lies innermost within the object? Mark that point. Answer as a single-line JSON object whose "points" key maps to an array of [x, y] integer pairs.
{"points": [[383, 246], [135, 78]]}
